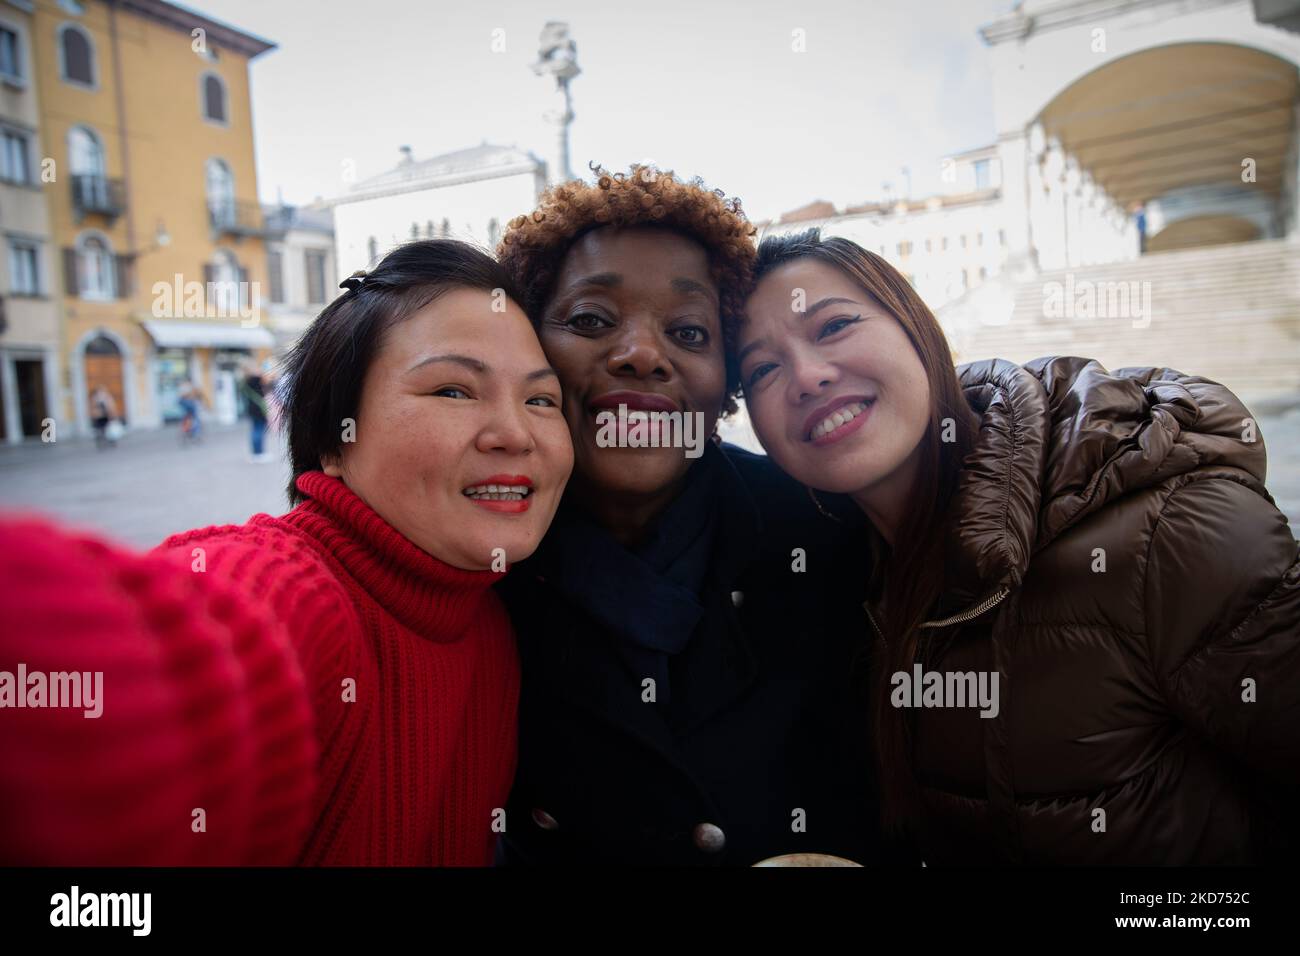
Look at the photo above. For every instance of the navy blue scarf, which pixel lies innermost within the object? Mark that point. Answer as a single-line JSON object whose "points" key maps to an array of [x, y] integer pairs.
{"points": [[648, 596]]}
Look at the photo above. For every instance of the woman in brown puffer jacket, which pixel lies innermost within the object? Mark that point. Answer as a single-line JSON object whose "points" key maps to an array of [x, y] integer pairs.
{"points": [[1090, 618]]}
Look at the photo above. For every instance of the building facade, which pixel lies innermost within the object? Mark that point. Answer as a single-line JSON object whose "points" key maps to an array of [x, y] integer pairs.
{"points": [[30, 357], [156, 235], [1146, 169], [470, 194], [300, 269], [946, 244]]}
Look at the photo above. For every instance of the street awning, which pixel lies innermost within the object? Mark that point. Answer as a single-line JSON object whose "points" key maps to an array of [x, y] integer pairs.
{"points": [[218, 335]]}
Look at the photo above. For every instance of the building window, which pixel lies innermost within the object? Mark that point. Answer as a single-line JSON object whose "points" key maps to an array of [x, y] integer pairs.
{"points": [[963, 240], [315, 276], [11, 65], [227, 284], [928, 245], [15, 150], [372, 250], [979, 238], [1002, 237], [24, 267], [221, 193], [95, 278], [905, 247], [981, 174], [943, 244], [76, 55], [494, 232], [984, 273], [214, 98], [446, 229], [275, 274], [87, 166]]}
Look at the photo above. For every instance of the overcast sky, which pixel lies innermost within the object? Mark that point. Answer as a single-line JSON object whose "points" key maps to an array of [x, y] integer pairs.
{"points": [[707, 87]]}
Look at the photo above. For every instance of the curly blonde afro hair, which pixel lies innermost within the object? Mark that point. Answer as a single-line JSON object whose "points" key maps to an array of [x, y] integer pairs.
{"points": [[534, 245]]}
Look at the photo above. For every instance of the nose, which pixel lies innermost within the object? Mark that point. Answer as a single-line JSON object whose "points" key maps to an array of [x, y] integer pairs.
{"points": [[809, 375], [638, 352], [507, 430]]}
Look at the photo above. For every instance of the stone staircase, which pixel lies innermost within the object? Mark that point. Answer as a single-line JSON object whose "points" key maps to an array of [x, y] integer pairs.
{"points": [[1230, 313]]}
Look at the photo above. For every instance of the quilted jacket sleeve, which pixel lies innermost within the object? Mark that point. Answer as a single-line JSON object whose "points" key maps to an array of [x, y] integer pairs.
{"points": [[1222, 598]]}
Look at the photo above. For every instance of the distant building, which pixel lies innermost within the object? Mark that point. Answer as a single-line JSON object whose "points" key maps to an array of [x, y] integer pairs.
{"points": [[300, 269], [945, 245], [30, 359], [469, 194], [155, 230], [1141, 204]]}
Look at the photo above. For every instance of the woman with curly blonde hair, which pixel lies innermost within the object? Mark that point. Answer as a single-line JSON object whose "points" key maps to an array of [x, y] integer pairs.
{"points": [[687, 686]]}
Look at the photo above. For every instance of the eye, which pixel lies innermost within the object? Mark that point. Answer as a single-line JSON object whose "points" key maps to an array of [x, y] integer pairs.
{"points": [[837, 324], [691, 334], [758, 373], [587, 321], [545, 401], [450, 391]]}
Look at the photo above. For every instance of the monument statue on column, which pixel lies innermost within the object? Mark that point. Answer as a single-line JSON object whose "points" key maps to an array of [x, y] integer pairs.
{"points": [[557, 56]]}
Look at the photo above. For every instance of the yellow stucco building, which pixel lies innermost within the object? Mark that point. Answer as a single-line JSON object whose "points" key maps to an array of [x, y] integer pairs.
{"points": [[151, 187]]}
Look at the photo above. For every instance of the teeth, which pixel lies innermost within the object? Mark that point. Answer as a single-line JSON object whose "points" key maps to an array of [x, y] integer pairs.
{"points": [[839, 417], [497, 492]]}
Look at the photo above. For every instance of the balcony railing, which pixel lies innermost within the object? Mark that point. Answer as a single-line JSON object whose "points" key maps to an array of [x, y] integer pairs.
{"points": [[235, 218], [99, 195]]}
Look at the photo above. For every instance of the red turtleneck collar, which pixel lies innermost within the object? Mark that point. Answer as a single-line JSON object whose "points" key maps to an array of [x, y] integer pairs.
{"points": [[426, 595]]}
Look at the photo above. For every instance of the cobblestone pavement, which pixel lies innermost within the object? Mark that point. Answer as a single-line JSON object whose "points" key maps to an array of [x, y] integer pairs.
{"points": [[150, 486]]}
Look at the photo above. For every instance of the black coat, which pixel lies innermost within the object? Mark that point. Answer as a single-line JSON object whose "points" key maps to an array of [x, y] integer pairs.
{"points": [[766, 751]]}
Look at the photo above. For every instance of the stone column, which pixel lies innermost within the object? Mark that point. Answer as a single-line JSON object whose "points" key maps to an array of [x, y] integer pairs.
{"points": [[1019, 167]]}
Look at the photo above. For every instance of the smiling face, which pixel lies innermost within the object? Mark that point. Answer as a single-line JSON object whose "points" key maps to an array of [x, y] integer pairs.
{"points": [[460, 441], [634, 320], [837, 394]]}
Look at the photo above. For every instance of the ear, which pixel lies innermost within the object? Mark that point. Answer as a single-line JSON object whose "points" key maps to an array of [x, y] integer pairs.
{"points": [[332, 465]]}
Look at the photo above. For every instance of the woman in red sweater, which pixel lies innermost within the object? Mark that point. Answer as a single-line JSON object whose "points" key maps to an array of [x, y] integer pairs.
{"points": [[337, 685]]}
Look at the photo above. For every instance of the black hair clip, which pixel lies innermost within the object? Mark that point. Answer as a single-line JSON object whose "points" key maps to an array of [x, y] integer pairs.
{"points": [[354, 282]]}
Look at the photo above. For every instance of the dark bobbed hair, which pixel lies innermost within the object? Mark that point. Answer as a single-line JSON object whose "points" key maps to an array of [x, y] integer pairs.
{"points": [[325, 371], [915, 573]]}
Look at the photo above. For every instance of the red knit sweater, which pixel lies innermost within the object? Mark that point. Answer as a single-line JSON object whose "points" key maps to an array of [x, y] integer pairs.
{"points": [[324, 691]]}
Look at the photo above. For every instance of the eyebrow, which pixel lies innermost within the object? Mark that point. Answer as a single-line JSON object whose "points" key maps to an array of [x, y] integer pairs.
{"points": [[816, 306], [681, 284], [474, 365], [692, 287], [831, 300], [606, 280]]}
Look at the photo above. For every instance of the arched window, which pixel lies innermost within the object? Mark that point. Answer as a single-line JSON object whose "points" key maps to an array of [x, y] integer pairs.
{"points": [[76, 55], [221, 193], [85, 153], [214, 98], [102, 345], [87, 166], [96, 278]]}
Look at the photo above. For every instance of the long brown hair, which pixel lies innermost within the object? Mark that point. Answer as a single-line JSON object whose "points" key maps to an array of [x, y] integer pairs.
{"points": [[915, 575]]}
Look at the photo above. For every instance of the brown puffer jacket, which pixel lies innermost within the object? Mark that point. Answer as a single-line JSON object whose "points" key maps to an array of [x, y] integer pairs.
{"points": [[1143, 618]]}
